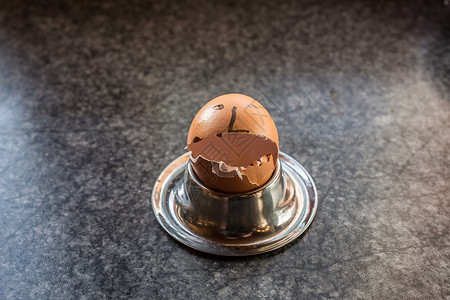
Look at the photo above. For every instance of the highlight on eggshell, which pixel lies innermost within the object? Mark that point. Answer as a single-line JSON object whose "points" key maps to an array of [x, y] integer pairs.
{"points": [[234, 144]]}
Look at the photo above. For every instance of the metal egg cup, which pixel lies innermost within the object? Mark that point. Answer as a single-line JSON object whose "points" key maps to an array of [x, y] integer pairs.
{"points": [[235, 224]]}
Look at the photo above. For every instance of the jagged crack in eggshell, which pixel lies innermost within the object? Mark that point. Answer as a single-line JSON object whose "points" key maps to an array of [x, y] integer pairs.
{"points": [[252, 178], [234, 149]]}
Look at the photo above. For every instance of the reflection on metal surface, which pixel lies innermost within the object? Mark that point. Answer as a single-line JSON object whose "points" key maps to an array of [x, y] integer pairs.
{"points": [[244, 224]]}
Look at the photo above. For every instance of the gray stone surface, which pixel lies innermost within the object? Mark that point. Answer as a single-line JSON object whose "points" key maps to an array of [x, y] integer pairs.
{"points": [[96, 97]]}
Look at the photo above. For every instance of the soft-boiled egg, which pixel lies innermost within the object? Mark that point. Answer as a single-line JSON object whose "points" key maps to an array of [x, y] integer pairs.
{"points": [[234, 144]]}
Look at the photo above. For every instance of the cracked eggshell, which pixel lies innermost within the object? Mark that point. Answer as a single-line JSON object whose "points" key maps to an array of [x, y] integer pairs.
{"points": [[234, 144], [204, 169]]}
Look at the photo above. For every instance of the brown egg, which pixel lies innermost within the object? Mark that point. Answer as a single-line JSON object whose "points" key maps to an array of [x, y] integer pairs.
{"points": [[234, 144]]}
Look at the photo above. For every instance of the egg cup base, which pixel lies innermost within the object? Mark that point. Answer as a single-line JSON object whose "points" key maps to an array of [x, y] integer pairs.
{"points": [[235, 225]]}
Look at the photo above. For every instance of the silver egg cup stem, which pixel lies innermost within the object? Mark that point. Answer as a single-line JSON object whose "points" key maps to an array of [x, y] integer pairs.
{"points": [[235, 224]]}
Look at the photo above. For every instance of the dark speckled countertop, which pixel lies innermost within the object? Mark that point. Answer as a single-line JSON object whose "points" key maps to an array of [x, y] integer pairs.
{"points": [[96, 98]]}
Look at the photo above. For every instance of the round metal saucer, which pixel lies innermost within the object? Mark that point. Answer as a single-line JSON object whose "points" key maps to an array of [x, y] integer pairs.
{"points": [[235, 225]]}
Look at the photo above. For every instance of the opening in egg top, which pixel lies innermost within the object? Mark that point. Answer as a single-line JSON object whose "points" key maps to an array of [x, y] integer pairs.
{"points": [[234, 144]]}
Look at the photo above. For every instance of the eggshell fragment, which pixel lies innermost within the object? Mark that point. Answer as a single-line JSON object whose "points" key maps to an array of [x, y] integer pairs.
{"points": [[233, 143]]}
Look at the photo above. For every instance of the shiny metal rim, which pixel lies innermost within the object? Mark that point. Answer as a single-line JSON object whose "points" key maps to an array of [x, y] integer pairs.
{"points": [[164, 210]]}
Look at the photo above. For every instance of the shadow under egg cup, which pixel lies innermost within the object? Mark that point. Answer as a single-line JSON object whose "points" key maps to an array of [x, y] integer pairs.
{"points": [[235, 224]]}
